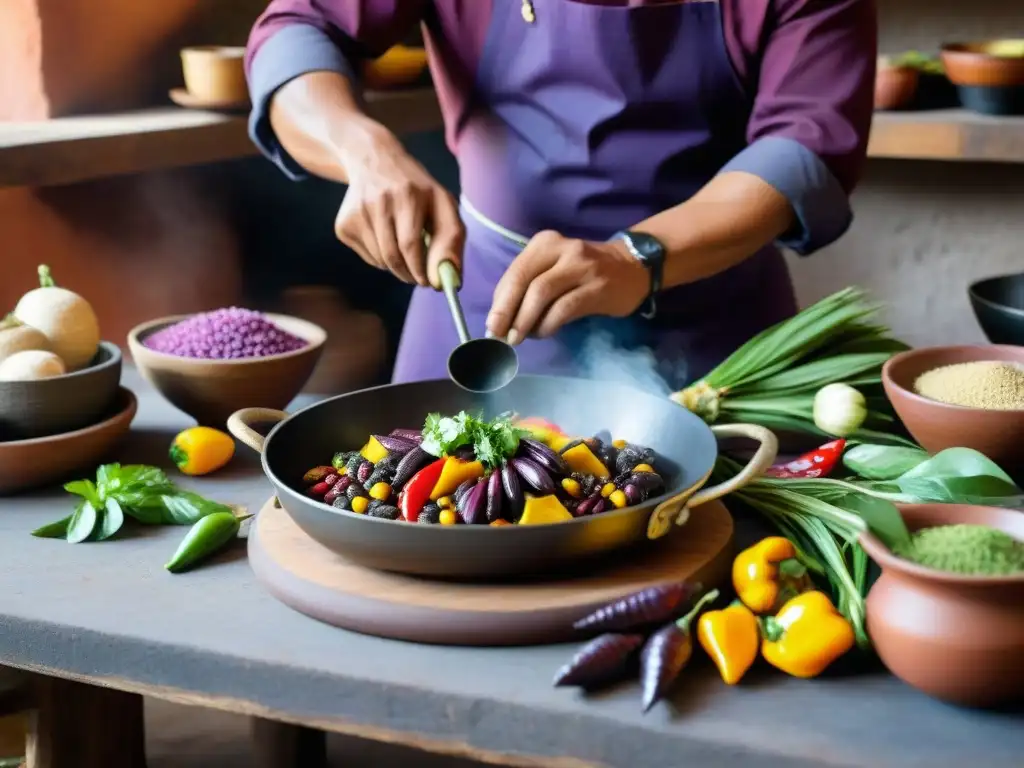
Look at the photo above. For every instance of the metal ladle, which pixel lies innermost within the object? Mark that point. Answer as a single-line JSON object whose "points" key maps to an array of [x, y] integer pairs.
{"points": [[477, 365]]}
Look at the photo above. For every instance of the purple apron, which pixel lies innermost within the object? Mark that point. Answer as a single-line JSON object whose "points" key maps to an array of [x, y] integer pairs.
{"points": [[589, 120]]}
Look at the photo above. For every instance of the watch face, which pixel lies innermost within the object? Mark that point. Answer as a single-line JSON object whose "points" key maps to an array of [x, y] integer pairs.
{"points": [[647, 246]]}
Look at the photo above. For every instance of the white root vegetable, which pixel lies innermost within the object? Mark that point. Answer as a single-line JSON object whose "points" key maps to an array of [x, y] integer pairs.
{"points": [[64, 317], [31, 365], [15, 337]]}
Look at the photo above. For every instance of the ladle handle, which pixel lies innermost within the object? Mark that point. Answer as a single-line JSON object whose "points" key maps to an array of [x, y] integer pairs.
{"points": [[450, 284]]}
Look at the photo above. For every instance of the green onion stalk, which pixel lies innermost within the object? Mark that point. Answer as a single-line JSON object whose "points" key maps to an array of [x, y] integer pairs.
{"points": [[773, 378]]}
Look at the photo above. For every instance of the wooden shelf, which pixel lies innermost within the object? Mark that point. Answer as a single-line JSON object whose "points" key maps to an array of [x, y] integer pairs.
{"points": [[947, 135], [75, 149]]}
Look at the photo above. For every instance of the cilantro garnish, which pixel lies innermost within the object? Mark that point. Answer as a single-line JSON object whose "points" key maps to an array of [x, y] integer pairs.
{"points": [[492, 440]]}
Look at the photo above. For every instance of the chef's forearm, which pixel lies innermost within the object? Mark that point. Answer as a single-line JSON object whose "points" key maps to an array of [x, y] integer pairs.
{"points": [[727, 221], [317, 119]]}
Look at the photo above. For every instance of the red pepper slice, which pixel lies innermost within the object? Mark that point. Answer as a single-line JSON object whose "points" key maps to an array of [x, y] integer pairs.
{"points": [[817, 463], [416, 492]]}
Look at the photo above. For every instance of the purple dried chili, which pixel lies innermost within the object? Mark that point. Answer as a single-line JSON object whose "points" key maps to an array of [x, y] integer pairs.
{"points": [[666, 652], [648, 606], [603, 660]]}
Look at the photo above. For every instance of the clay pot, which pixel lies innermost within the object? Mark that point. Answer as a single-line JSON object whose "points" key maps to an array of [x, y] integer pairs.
{"points": [[895, 87], [989, 75], [936, 426], [215, 73], [957, 638]]}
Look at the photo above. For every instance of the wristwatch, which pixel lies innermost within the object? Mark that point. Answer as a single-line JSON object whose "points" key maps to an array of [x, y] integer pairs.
{"points": [[649, 251]]}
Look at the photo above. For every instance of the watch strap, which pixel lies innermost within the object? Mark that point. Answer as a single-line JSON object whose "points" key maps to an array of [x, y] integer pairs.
{"points": [[651, 253]]}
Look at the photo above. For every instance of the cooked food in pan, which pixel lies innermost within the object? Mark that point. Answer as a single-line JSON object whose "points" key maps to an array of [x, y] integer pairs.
{"points": [[463, 470]]}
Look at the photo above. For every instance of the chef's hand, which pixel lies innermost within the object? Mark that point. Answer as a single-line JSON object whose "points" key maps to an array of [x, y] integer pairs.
{"points": [[556, 280], [391, 202]]}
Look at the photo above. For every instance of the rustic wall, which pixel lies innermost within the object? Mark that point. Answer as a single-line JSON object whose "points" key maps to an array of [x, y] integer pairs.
{"points": [[925, 230]]}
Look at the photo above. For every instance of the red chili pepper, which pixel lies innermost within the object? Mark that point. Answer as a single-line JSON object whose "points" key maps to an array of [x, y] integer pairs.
{"points": [[416, 492], [817, 463]]}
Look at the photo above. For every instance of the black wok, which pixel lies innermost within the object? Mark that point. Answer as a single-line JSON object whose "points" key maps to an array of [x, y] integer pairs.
{"points": [[685, 445]]}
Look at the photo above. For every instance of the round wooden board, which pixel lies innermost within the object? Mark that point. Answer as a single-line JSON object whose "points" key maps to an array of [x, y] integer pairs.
{"points": [[319, 583]]}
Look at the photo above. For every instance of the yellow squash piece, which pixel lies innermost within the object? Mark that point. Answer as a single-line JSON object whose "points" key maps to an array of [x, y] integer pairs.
{"points": [[731, 638], [541, 510], [373, 451], [581, 459], [806, 635], [454, 473], [768, 573], [201, 450], [557, 442]]}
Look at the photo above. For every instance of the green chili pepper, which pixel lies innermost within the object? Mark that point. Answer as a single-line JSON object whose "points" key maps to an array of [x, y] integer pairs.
{"points": [[205, 537]]}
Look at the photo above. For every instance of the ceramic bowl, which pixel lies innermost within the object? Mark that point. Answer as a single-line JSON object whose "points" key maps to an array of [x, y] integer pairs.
{"points": [[215, 73], [998, 304], [957, 638], [935, 425], [895, 86], [988, 74], [211, 390], [63, 403], [26, 464]]}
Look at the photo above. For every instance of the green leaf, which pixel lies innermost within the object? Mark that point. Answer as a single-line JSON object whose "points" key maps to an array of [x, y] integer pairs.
{"points": [[55, 530], [186, 508], [958, 462], [86, 489], [82, 523], [882, 462], [111, 522], [882, 517], [976, 489]]}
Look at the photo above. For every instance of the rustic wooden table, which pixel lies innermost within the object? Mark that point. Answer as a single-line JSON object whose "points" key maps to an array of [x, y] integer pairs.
{"points": [[103, 624]]}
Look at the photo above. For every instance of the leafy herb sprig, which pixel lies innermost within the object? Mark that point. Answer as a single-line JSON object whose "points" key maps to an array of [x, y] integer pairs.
{"points": [[491, 441], [138, 491]]}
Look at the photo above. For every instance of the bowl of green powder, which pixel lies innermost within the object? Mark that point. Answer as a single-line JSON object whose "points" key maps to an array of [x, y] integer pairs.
{"points": [[965, 396], [947, 613]]}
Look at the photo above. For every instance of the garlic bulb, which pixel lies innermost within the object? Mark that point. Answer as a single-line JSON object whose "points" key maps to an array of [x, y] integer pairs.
{"points": [[839, 409]]}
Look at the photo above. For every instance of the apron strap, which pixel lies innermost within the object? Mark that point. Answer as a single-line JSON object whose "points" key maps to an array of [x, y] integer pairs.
{"points": [[508, 234]]}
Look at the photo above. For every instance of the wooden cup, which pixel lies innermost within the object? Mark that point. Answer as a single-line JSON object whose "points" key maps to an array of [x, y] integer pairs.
{"points": [[215, 73]]}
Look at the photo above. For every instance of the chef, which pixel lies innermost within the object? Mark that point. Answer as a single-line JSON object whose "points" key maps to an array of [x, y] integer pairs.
{"points": [[627, 167]]}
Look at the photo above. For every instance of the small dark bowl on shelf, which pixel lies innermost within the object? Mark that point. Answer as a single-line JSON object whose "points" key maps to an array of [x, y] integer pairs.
{"points": [[989, 75], [998, 304]]}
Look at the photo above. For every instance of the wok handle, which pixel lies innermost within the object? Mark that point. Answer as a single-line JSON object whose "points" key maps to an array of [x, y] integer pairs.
{"points": [[678, 507], [240, 425]]}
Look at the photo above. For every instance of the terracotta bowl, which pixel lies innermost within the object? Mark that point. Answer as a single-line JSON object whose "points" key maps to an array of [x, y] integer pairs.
{"points": [[211, 390], [895, 86], [215, 73], [957, 638], [997, 434], [998, 304], [63, 403], [26, 464], [989, 74]]}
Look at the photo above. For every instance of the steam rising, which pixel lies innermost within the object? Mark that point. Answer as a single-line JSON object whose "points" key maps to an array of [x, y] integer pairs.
{"points": [[602, 358]]}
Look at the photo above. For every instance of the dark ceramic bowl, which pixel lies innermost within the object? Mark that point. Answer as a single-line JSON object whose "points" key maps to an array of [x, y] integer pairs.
{"points": [[998, 304], [957, 638], [989, 75], [685, 445], [61, 404], [936, 426]]}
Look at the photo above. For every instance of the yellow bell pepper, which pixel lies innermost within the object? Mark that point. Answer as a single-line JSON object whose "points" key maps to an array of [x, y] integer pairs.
{"points": [[731, 638], [806, 635], [201, 450], [373, 451], [768, 573], [455, 473]]}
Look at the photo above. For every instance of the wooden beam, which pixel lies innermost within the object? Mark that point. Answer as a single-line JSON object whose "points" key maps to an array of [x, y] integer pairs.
{"points": [[952, 135], [75, 149]]}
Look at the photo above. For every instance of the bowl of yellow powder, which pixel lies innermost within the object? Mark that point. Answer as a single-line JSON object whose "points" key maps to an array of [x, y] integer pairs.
{"points": [[947, 613], [964, 396]]}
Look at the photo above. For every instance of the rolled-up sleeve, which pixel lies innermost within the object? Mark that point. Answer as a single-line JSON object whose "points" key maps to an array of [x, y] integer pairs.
{"points": [[294, 37], [811, 116]]}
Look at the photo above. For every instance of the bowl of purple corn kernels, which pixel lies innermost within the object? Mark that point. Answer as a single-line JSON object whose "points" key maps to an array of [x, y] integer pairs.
{"points": [[211, 364]]}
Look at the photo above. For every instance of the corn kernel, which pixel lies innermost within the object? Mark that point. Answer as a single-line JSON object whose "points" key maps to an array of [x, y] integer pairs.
{"points": [[572, 487], [618, 498], [359, 504], [380, 491], [447, 517], [620, 444], [643, 468], [445, 502], [607, 489]]}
